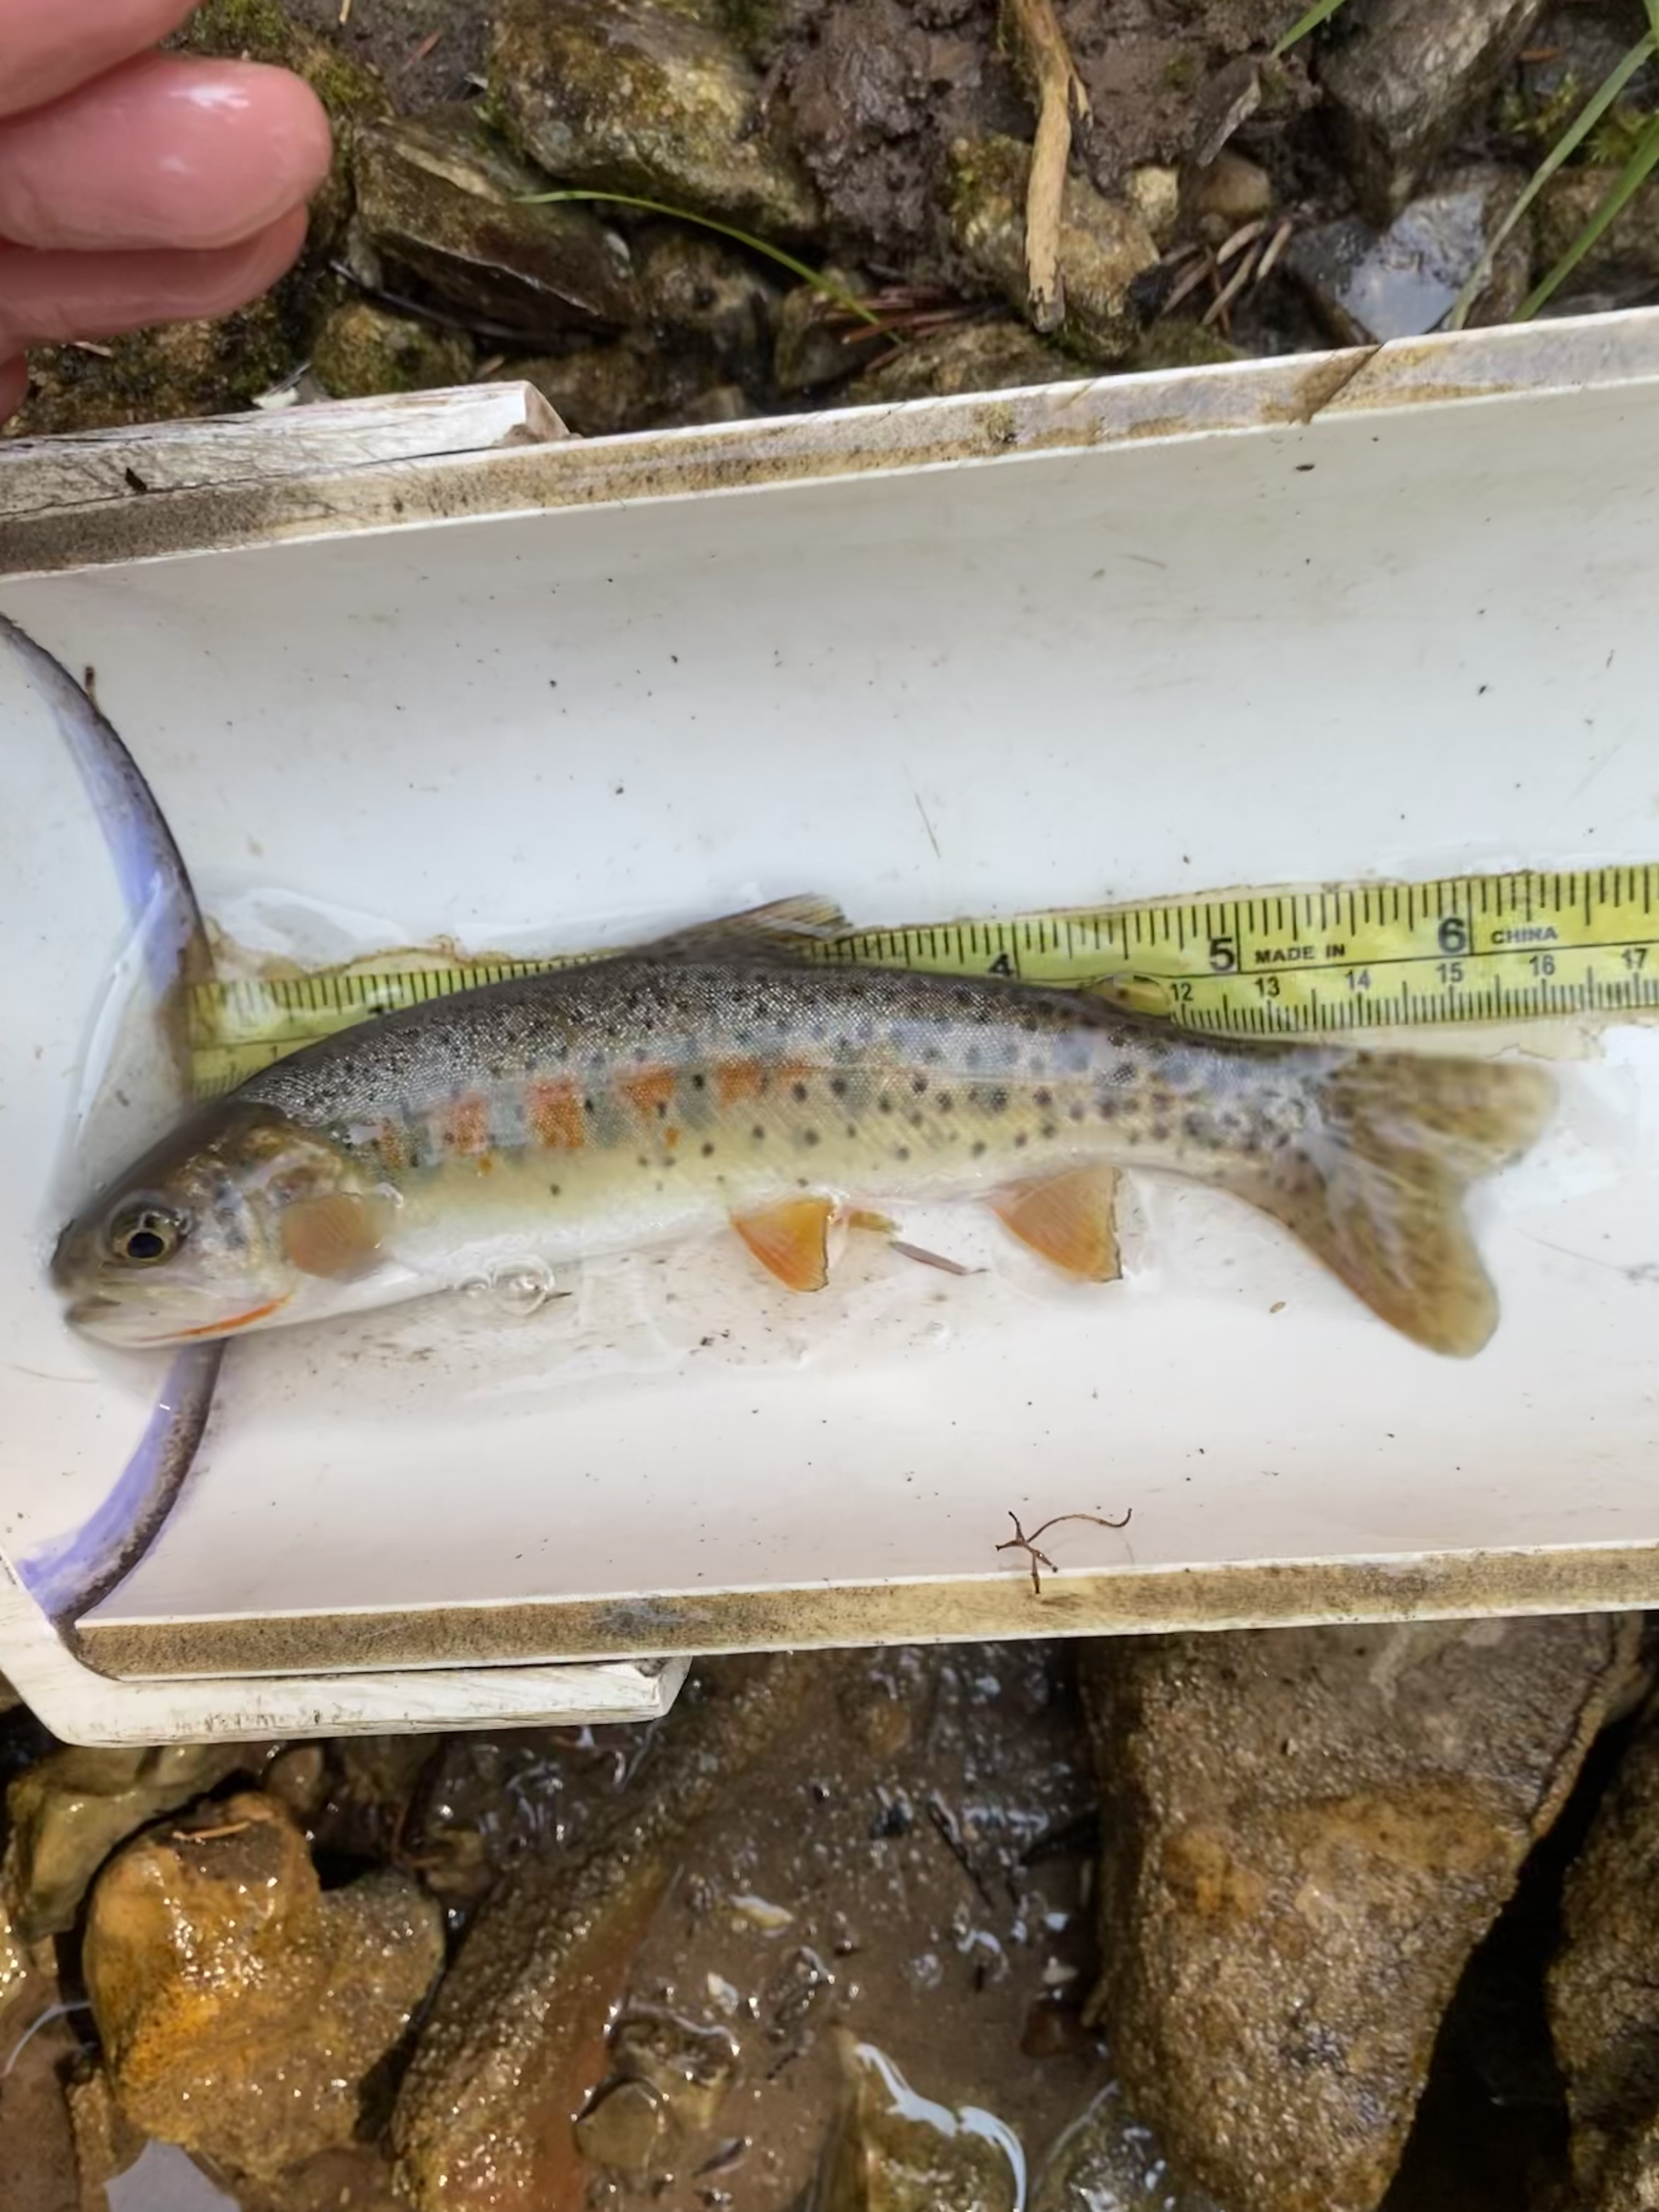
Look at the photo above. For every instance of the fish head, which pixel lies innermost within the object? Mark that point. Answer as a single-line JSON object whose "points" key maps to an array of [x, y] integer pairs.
{"points": [[241, 1218]]}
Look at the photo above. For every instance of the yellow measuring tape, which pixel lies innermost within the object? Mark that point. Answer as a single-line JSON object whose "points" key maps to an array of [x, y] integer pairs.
{"points": [[1251, 964]]}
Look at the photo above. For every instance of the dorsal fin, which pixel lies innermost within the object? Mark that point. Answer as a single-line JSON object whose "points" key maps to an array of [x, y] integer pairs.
{"points": [[781, 928]]}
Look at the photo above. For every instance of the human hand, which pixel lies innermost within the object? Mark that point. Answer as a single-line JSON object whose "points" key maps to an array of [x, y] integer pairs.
{"points": [[138, 187]]}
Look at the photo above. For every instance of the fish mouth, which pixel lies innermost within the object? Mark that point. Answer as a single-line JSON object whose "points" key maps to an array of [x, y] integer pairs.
{"points": [[97, 1311]]}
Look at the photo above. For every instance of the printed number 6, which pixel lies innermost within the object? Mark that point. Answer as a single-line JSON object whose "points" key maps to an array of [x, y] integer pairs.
{"points": [[1453, 934]]}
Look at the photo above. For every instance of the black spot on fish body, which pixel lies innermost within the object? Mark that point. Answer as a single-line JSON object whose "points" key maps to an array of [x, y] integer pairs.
{"points": [[708, 1151], [798, 1092], [1021, 1140], [758, 1133], [809, 1136], [918, 1083], [901, 1152], [979, 1148]]}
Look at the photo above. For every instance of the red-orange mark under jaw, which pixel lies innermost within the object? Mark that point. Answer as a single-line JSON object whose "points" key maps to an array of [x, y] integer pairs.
{"points": [[223, 1328]]}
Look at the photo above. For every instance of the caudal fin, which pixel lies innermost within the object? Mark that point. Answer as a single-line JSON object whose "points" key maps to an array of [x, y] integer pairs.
{"points": [[1375, 1184]]}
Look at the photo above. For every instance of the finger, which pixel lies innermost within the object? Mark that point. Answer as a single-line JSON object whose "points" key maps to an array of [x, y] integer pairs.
{"points": [[51, 45], [163, 152], [47, 297], [13, 384]]}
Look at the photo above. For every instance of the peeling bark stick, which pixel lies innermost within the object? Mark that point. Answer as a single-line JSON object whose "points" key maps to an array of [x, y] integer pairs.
{"points": [[1062, 105]]}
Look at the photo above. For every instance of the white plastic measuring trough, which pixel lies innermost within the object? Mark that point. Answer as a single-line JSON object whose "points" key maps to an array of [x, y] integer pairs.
{"points": [[410, 669]]}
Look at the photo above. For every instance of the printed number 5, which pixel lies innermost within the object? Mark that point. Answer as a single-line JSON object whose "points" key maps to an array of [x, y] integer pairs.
{"points": [[1222, 957]]}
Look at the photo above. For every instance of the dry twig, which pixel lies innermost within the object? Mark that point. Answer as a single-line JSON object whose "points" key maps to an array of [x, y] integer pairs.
{"points": [[1019, 1541], [1062, 106]]}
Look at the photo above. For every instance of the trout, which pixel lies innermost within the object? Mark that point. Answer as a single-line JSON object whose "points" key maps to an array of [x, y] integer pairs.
{"points": [[720, 1078]]}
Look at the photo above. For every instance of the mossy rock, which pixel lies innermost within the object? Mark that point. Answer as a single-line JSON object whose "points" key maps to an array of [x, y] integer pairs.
{"points": [[644, 97], [1105, 245], [362, 350]]}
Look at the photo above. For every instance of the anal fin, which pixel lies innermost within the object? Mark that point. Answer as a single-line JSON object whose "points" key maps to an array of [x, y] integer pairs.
{"points": [[791, 1240], [1071, 1219]]}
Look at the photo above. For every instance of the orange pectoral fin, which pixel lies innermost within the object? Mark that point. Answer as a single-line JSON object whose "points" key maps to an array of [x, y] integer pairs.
{"points": [[338, 1235], [791, 1239], [1070, 1218]]}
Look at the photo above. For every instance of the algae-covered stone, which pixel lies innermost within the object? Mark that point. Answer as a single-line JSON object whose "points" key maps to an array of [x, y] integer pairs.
{"points": [[176, 369], [1305, 1833], [1104, 244], [1176, 342], [998, 356], [639, 96], [362, 350], [240, 2006], [440, 198], [600, 390], [696, 294], [68, 1811]]}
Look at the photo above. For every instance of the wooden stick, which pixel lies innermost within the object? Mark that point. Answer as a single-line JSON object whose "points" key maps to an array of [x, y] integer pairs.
{"points": [[1062, 105]]}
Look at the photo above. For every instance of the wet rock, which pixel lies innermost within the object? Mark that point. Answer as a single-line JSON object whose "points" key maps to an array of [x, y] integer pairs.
{"points": [[105, 2142], [1401, 76], [1231, 189], [1306, 1834], [688, 2067], [1628, 249], [440, 200], [69, 1811], [622, 2127], [1103, 246], [1367, 285], [697, 295], [896, 2151], [815, 344], [972, 357], [362, 350], [1106, 2159], [298, 1777], [355, 2179], [238, 2005], [1603, 1995], [516, 2039], [639, 96]]}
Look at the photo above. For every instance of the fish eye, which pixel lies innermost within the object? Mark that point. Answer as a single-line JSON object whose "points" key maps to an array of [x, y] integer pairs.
{"points": [[145, 1234]]}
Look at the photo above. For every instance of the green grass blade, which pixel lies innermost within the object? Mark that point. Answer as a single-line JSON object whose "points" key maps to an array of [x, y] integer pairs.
{"points": [[1623, 189], [1320, 12], [1564, 147], [815, 277]]}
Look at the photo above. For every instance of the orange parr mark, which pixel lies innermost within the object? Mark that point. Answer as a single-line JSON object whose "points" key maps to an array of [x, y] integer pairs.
{"points": [[389, 1143], [224, 1328], [466, 1125], [555, 1114], [651, 1094], [736, 1080]]}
